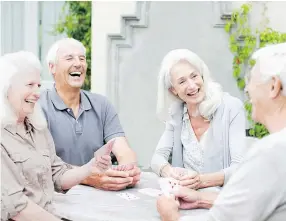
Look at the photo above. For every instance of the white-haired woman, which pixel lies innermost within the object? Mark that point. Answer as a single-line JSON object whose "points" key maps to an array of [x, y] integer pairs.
{"points": [[30, 169], [205, 127], [257, 189]]}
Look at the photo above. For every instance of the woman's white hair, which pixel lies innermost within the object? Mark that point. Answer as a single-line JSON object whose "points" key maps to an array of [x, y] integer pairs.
{"points": [[271, 61], [167, 101], [53, 51], [11, 65]]}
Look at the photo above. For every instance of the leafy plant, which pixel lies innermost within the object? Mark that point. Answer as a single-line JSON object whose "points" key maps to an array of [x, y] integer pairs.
{"points": [[242, 43], [76, 23]]}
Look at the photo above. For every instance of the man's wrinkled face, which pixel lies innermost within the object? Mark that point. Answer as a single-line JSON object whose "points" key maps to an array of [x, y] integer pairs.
{"points": [[70, 68], [262, 93]]}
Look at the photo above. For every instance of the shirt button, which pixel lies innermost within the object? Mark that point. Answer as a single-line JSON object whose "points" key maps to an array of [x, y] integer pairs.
{"points": [[69, 110]]}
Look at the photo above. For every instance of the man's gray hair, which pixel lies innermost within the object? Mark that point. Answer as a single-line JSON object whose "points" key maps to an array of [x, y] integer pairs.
{"points": [[11, 65], [166, 101], [271, 61], [52, 55]]}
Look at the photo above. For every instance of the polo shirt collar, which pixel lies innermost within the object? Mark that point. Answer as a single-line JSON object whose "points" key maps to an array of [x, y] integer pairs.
{"points": [[60, 105]]}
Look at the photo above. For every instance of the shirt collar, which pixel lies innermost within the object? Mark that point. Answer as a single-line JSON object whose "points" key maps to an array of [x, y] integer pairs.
{"points": [[60, 105], [15, 128]]}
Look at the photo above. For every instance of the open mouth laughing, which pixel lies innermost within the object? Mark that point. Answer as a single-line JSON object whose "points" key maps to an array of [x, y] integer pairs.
{"points": [[75, 74], [194, 93]]}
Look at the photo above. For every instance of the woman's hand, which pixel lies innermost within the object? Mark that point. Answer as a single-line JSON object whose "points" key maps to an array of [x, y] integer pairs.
{"points": [[191, 181]]}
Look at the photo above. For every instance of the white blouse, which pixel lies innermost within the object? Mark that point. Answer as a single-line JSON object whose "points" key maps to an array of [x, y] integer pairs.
{"points": [[193, 150]]}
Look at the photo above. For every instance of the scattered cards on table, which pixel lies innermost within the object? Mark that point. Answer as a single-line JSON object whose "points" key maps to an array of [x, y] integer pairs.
{"points": [[150, 192], [128, 196]]}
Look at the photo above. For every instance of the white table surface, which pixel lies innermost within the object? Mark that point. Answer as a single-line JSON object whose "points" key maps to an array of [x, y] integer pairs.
{"points": [[83, 203]]}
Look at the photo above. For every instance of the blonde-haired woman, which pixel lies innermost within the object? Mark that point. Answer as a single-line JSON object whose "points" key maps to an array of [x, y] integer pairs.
{"points": [[205, 127], [30, 169]]}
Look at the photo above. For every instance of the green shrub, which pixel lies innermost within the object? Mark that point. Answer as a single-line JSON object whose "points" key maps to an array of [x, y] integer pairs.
{"points": [[76, 23]]}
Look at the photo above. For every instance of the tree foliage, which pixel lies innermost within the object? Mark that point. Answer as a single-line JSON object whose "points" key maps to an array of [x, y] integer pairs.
{"points": [[243, 41], [75, 22]]}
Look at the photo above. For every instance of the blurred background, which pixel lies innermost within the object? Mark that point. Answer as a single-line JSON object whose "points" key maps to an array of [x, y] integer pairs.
{"points": [[126, 42]]}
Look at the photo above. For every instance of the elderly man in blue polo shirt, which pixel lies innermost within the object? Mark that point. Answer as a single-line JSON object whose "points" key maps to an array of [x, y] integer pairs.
{"points": [[81, 122]]}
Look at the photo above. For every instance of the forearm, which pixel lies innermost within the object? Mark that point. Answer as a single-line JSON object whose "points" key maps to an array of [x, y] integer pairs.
{"points": [[206, 199], [126, 157], [33, 212], [211, 179], [166, 170], [123, 153], [75, 176]]}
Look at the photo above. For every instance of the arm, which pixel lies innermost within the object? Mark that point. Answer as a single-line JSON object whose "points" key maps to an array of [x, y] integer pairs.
{"points": [[206, 199], [237, 140], [65, 176], [237, 148], [115, 180], [159, 162], [123, 153], [211, 179], [112, 129]]}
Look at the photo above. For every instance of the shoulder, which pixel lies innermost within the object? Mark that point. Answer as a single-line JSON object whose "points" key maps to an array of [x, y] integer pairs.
{"points": [[270, 148], [231, 102], [45, 97], [231, 106], [95, 98]]}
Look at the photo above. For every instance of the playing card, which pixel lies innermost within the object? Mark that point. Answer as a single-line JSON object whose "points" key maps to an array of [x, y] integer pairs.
{"points": [[168, 184], [150, 192], [128, 196]]}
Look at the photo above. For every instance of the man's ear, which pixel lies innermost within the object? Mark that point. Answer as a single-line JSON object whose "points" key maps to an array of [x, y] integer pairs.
{"points": [[276, 87], [52, 69]]}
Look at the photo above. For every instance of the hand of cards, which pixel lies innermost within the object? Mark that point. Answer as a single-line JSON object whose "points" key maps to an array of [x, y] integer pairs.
{"points": [[172, 183], [168, 185]]}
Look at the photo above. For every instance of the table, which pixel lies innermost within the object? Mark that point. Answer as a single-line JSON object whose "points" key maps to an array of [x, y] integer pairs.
{"points": [[83, 203]]}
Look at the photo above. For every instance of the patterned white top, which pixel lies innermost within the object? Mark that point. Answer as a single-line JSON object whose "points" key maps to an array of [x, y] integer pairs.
{"points": [[193, 150]]}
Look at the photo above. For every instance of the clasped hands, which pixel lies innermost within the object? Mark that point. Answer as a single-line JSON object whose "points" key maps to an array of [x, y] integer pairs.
{"points": [[107, 177]]}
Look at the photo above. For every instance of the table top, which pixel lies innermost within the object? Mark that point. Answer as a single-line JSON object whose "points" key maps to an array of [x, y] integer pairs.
{"points": [[83, 203]]}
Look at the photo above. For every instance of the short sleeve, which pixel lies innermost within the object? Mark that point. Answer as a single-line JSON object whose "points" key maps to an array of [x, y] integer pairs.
{"points": [[112, 127], [13, 199], [59, 167]]}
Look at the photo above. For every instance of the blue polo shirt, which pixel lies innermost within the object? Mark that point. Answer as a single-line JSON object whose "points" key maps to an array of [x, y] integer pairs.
{"points": [[76, 139]]}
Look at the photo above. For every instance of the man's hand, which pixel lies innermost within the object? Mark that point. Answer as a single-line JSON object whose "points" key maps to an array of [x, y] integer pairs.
{"points": [[168, 208], [188, 198], [111, 180], [135, 174]]}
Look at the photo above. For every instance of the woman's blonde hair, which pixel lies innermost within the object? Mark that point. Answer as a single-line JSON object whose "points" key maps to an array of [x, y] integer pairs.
{"points": [[167, 101], [13, 64]]}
